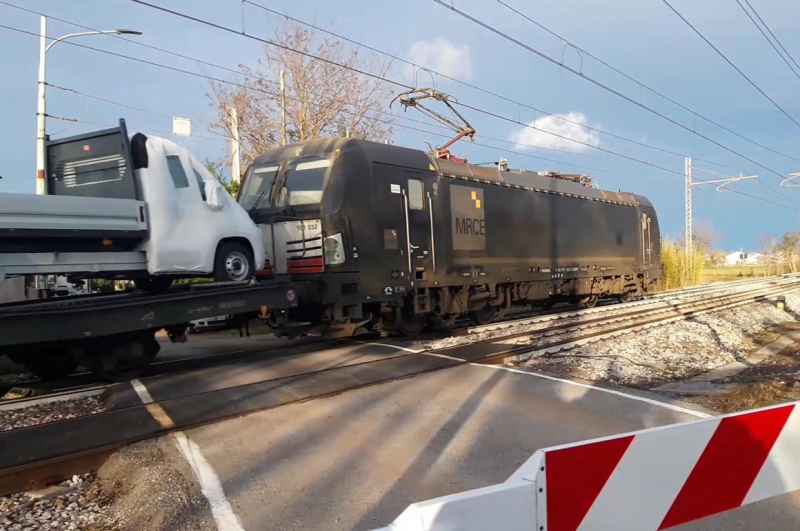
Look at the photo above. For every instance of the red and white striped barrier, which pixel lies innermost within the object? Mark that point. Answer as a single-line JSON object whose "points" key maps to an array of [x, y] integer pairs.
{"points": [[647, 480]]}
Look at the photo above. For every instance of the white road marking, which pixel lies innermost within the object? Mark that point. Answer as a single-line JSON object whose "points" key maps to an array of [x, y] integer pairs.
{"points": [[398, 347], [210, 485], [141, 390], [666, 405], [221, 509]]}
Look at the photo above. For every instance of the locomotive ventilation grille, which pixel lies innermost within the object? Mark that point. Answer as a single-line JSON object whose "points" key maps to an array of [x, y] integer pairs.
{"points": [[305, 256]]}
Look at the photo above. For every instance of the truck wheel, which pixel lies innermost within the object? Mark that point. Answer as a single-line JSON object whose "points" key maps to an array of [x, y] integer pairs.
{"points": [[234, 262]]}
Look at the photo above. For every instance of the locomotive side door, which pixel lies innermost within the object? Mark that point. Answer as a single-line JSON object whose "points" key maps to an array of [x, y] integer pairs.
{"points": [[419, 229]]}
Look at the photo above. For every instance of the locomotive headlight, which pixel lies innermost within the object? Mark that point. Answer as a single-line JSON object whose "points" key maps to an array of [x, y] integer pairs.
{"points": [[334, 249]]}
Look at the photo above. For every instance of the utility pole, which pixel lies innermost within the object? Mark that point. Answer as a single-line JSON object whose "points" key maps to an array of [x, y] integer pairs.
{"points": [[235, 162], [687, 173], [283, 109], [41, 111], [689, 184]]}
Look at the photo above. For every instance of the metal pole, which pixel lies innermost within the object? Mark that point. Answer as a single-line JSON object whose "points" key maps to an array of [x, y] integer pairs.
{"points": [[283, 109], [688, 242], [235, 162], [41, 110]]}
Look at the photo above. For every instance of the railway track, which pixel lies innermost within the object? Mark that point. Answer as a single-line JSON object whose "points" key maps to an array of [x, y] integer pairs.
{"points": [[557, 317], [86, 441]]}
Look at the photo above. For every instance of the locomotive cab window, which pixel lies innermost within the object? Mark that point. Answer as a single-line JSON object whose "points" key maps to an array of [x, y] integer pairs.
{"points": [[305, 180], [257, 186], [415, 193]]}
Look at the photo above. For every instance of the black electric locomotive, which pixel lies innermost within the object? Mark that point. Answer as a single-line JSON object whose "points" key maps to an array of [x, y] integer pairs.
{"points": [[384, 237]]}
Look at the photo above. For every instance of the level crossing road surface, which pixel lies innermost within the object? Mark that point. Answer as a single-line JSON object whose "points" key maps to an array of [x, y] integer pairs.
{"points": [[356, 460]]}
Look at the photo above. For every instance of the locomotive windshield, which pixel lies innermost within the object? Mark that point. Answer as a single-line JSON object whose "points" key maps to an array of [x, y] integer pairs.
{"points": [[257, 186], [304, 182]]}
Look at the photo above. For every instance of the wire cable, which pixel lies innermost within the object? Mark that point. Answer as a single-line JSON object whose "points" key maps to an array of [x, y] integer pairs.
{"points": [[730, 63], [770, 32], [475, 87], [605, 87], [646, 87], [746, 12], [352, 69]]}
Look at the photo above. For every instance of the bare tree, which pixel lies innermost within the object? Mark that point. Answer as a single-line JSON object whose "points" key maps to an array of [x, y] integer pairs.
{"points": [[788, 249], [704, 236], [322, 99], [767, 245]]}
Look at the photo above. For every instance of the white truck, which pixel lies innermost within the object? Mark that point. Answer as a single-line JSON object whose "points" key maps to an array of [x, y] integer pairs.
{"points": [[141, 208]]}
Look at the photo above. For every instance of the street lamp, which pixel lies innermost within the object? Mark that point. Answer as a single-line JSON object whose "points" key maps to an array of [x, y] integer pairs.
{"points": [[41, 109]]}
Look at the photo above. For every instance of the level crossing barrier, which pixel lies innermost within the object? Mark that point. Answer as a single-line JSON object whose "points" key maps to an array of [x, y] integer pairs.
{"points": [[651, 479]]}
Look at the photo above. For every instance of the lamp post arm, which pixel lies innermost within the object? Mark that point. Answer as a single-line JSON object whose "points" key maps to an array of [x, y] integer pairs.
{"points": [[81, 34]]}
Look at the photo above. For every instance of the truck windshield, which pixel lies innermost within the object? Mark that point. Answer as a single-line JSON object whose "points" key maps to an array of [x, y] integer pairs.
{"points": [[305, 181], [257, 186]]}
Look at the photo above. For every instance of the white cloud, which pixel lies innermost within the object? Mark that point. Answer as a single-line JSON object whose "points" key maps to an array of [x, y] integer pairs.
{"points": [[568, 126], [441, 56]]}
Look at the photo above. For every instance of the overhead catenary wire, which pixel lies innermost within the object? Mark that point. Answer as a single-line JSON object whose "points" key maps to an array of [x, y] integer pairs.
{"points": [[259, 78], [126, 106], [648, 88], [307, 54], [753, 83], [211, 78], [220, 80], [139, 43], [603, 86], [342, 66], [478, 88], [388, 80], [770, 32], [746, 12]]}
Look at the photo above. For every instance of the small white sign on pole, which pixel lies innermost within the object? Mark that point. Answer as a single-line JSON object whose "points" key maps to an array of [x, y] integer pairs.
{"points": [[181, 126]]}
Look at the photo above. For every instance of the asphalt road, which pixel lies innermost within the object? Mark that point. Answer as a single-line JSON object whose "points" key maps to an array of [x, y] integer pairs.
{"points": [[356, 460]]}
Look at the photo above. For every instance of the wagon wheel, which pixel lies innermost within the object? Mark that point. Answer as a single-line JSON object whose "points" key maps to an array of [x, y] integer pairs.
{"points": [[51, 364], [123, 361], [625, 297], [588, 302]]}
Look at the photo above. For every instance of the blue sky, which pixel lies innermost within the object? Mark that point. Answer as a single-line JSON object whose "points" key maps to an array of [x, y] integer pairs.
{"points": [[643, 39]]}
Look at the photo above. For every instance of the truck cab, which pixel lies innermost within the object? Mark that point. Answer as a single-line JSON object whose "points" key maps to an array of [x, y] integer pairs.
{"points": [[141, 208]]}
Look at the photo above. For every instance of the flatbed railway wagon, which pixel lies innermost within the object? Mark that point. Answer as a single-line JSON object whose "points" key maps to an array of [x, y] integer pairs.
{"points": [[385, 237]]}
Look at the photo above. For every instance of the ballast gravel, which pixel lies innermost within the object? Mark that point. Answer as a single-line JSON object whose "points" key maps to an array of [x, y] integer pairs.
{"points": [[76, 505], [670, 352], [42, 413], [657, 302]]}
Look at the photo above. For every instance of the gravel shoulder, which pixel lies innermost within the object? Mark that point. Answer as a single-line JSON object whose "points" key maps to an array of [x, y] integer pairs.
{"points": [[678, 351], [42, 413]]}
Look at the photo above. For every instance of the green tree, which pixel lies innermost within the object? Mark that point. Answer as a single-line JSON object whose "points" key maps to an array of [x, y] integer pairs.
{"points": [[216, 169]]}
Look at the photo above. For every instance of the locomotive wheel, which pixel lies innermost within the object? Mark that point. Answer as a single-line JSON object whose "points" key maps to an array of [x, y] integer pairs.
{"points": [[588, 302], [484, 316], [408, 323]]}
